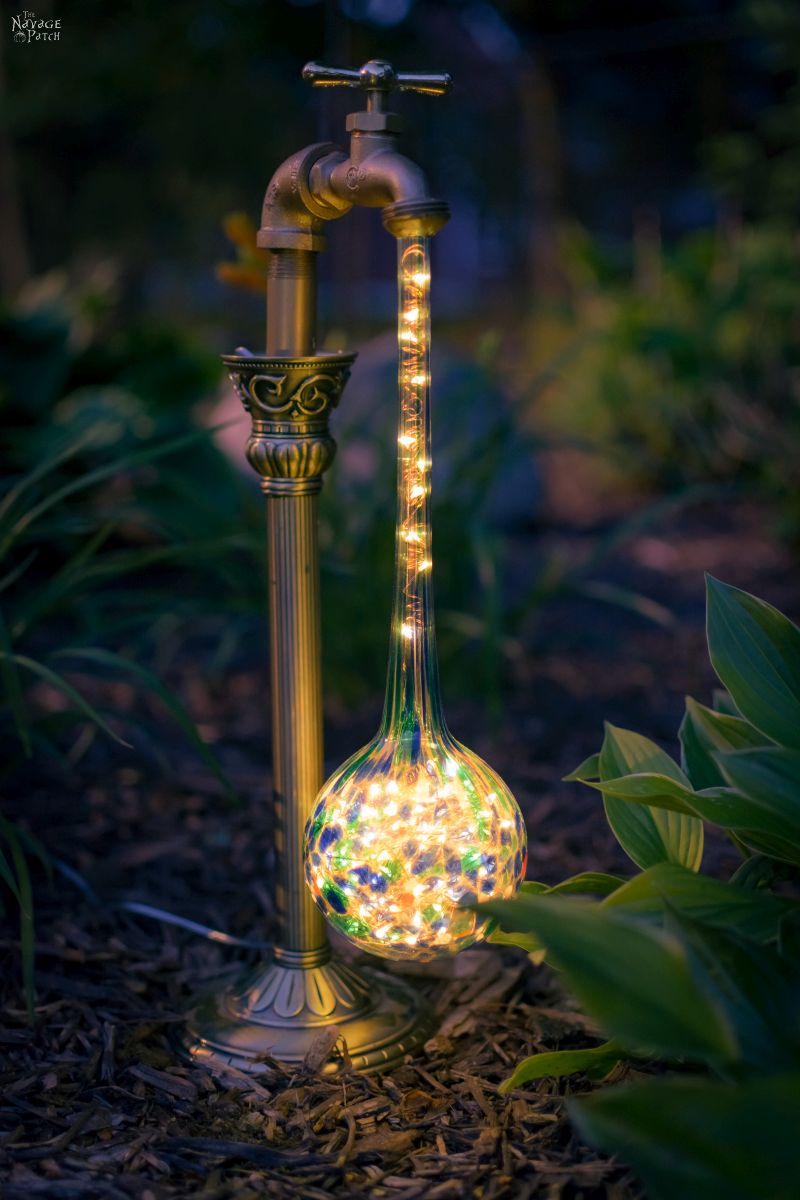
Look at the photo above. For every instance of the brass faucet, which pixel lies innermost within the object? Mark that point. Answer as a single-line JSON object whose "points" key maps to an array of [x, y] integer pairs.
{"points": [[281, 1007], [321, 183]]}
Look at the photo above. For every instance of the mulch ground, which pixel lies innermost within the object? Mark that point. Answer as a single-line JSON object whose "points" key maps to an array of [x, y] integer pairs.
{"points": [[93, 1099]]}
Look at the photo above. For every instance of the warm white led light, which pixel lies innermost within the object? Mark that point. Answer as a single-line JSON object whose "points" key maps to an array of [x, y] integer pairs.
{"points": [[414, 824]]}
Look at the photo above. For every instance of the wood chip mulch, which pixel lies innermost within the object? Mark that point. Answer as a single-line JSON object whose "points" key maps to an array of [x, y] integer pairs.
{"points": [[94, 1101]]}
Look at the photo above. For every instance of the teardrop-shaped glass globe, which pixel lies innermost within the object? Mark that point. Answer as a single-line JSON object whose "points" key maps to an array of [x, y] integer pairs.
{"points": [[414, 824]]}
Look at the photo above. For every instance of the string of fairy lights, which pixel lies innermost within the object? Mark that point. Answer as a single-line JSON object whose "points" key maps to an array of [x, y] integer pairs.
{"points": [[413, 517], [414, 823]]}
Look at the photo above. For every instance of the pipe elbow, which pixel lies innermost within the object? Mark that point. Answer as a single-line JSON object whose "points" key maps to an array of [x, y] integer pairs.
{"points": [[321, 183], [292, 215]]}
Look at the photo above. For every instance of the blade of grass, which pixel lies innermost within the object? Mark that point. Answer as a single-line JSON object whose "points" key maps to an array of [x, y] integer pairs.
{"points": [[90, 478], [79, 573], [12, 686], [27, 935], [34, 846], [57, 681], [167, 698], [6, 872], [610, 593], [38, 472], [54, 590], [19, 570]]}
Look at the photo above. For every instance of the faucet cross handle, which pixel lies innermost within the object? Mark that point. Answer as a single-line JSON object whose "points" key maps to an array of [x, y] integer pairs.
{"points": [[377, 78]]}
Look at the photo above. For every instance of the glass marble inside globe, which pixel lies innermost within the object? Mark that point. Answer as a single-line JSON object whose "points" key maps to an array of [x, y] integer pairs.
{"points": [[402, 835]]}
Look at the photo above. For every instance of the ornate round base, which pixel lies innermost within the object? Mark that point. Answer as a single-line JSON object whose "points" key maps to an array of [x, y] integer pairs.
{"points": [[280, 1012]]}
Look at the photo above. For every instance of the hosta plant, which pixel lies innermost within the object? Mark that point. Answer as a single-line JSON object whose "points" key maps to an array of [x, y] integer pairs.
{"points": [[695, 980]]}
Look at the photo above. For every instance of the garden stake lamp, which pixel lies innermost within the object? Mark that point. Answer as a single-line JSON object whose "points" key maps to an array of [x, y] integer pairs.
{"points": [[414, 823]]}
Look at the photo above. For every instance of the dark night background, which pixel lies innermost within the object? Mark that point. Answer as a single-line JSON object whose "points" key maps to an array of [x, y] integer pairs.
{"points": [[134, 135]]}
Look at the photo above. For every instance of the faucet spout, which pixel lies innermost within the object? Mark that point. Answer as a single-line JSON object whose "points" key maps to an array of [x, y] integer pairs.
{"points": [[377, 176]]}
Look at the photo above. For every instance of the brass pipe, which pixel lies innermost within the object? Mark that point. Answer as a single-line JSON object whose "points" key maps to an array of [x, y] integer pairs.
{"points": [[291, 302], [295, 655], [294, 632]]}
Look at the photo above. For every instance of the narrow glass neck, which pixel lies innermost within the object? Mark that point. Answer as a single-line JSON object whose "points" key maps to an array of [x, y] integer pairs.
{"points": [[412, 692]]}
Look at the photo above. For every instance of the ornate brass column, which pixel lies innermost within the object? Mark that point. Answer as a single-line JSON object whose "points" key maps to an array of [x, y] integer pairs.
{"points": [[280, 1008], [290, 446]]}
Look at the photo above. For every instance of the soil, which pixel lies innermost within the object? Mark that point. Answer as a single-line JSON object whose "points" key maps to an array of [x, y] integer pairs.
{"points": [[94, 1102]]}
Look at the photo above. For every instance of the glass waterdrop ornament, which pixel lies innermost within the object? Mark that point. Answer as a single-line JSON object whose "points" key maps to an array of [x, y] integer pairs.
{"points": [[414, 824]]}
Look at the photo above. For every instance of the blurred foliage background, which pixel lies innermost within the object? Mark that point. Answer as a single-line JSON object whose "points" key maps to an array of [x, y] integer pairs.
{"points": [[617, 294]]}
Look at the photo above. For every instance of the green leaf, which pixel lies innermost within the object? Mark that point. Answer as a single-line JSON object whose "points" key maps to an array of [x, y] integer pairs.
{"points": [[591, 883], [554, 1064], [698, 1139], [648, 787], [588, 883], [758, 825], [721, 702], [768, 809], [755, 987], [789, 939], [633, 978], [647, 835], [770, 777], [588, 769], [755, 651], [760, 873], [703, 732], [523, 941], [754, 914]]}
